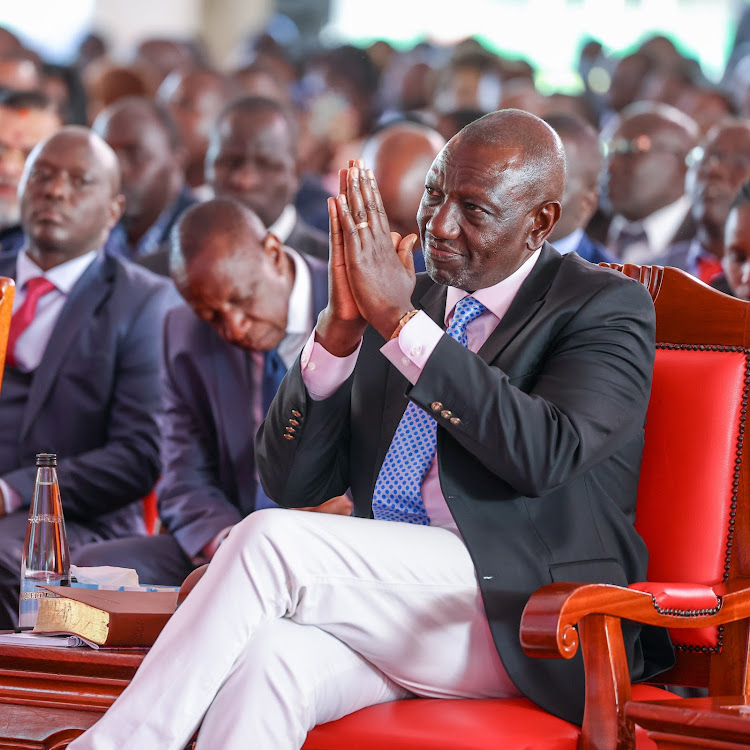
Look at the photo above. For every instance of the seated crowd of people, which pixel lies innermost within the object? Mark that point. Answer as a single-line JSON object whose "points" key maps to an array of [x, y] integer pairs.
{"points": [[167, 226]]}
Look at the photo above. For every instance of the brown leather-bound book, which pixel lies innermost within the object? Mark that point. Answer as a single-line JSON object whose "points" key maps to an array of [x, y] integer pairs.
{"points": [[107, 618]]}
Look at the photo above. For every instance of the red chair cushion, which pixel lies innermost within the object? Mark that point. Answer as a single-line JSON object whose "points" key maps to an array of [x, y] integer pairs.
{"points": [[684, 515], [439, 724]]}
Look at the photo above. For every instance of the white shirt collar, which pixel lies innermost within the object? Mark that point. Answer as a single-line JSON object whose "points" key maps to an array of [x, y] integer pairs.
{"points": [[498, 298], [64, 276], [300, 299], [284, 225], [569, 243], [660, 226]]}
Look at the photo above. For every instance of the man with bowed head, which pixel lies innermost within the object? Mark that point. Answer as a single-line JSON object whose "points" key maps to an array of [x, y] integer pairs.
{"points": [[489, 415]]}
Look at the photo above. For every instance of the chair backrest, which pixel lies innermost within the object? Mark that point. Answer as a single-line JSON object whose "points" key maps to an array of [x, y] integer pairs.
{"points": [[7, 290], [692, 499]]}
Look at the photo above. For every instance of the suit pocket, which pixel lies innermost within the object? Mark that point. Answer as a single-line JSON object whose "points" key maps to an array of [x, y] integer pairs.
{"points": [[606, 570]]}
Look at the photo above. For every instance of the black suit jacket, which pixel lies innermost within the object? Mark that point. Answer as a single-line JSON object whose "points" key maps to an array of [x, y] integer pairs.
{"points": [[308, 240], [94, 397], [540, 474], [207, 426]]}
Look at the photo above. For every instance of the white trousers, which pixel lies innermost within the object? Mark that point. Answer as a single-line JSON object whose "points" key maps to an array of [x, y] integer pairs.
{"points": [[302, 618]]}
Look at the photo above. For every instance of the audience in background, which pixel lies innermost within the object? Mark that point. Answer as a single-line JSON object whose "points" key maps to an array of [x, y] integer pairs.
{"points": [[645, 184], [195, 97], [151, 157], [252, 157], [736, 260], [721, 165], [583, 159], [26, 118], [81, 375]]}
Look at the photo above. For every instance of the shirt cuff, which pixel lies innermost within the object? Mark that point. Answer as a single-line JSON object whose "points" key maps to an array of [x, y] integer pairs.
{"points": [[12, 500], [415, 343], [322, 372]]}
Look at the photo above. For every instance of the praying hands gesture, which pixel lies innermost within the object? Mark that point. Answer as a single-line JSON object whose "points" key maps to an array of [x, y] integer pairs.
{"points": [[371, 269]]}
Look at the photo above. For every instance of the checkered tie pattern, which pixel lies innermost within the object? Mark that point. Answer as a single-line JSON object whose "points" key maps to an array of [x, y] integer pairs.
{"points": [[398, 490]]}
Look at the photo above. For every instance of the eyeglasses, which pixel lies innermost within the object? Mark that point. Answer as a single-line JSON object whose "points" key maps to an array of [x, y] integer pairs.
{"points": [[642, 144], [735, 160]]}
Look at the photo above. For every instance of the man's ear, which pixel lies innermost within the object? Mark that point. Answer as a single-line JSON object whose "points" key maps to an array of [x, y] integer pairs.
{"points": [[274, 250], [545, 219], [116, 208]]}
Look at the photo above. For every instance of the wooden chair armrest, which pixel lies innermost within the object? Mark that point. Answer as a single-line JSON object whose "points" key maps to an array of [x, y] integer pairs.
{"points": [[549, 620]]}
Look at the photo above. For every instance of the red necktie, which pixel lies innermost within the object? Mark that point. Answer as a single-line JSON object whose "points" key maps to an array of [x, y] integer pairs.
{"points": [[23, 317], [708, 268]]}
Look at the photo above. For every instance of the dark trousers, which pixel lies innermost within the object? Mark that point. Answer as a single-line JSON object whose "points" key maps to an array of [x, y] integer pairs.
{"points": [[158, 559]]}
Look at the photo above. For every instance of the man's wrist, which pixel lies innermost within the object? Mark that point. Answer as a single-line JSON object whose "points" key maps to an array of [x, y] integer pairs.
{"points": [[339, 337], [402, 322]]}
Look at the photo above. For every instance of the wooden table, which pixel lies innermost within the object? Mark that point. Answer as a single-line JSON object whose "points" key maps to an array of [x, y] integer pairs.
{"points": [[48, 696], [690, 723]]}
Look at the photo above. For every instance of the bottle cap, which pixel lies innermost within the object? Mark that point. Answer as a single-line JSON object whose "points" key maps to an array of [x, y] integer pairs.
{"points": [[46, 459]]}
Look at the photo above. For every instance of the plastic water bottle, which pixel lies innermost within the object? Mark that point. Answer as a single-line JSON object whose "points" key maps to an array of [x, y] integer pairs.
{"points": [[46, 558]]}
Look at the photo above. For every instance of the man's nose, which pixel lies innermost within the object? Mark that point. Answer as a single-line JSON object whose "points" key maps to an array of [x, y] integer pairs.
{"points": [[57, 185], [245, 176], [745, 272], [234, 325], [443, 222]]}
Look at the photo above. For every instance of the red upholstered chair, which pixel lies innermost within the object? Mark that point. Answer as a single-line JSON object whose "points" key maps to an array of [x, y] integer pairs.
{"points": [[7, 290], [693, 513]]}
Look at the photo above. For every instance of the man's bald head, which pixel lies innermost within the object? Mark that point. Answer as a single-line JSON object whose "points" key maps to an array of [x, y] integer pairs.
{"points": [[492, 196], [646, 164], [70, 195], [235, 276], [400, 156], [523, 143], [202, 224]]}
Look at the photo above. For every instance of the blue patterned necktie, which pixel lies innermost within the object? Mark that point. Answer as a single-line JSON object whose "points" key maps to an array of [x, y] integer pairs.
{"points": [[398, 490]]}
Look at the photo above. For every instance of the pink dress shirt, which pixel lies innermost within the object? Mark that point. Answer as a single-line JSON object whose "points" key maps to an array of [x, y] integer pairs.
{"points": [[323, 373]]}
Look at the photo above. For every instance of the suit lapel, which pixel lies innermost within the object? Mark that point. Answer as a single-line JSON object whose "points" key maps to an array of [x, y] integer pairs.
{"points": [[88, 293], [525, 305], [234, 397]]}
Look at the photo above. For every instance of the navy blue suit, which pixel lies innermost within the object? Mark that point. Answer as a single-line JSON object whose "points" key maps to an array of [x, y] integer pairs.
{"points": [[593, 251], [93, 400], [208, 480]]}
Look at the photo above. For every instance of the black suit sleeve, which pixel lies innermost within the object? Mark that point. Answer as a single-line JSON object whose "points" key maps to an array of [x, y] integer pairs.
{"points": [[586, 396]]}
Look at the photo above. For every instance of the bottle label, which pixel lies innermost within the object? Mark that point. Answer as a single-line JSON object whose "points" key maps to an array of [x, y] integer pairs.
{"points": [[28, 607], [45, 518]]}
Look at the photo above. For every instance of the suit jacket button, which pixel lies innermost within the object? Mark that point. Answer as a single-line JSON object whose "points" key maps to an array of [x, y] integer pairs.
{"points": [[295, 413], [445, 414], [288, 436], [455, 420], [436, 406]]}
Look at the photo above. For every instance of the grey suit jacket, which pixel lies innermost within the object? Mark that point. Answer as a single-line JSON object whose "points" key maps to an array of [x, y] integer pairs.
{"points": [[541, 471], [207, 426], [94, 397]]}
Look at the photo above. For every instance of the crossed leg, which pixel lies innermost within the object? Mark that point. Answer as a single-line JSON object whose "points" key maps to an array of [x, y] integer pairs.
{"points": [[404, 598]]}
